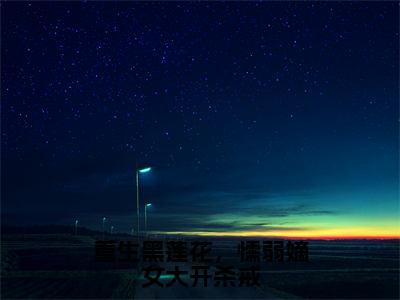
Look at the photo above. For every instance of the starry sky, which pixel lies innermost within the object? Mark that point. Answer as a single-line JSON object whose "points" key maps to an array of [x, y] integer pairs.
{"points": [[258, 118]]}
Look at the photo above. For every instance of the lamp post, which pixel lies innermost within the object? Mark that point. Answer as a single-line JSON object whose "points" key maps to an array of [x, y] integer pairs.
{"points": [[145, 215], [111, 229], [76, 227], [141, 170], [104, 220]]}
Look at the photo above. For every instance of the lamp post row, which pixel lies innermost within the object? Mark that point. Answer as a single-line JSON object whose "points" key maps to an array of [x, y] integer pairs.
{"points": [[146, 205]]}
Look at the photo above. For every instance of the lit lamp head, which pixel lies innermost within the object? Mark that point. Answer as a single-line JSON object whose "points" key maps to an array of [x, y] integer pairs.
{"points": [[76, 222], [148, 204], [145, 170]]}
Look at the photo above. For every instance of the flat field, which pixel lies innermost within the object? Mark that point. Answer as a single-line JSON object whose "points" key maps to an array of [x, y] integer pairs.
{"points": [[52, 266]]}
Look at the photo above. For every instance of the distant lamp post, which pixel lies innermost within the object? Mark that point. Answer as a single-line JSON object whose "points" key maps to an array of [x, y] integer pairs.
{"points": [[111, 229], [104, 221], [76, 227], [132, 231], [141, 171], [145, 215]]}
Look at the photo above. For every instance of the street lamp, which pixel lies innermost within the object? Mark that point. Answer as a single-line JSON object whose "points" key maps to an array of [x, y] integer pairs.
{"points": [[141, 170], [104, 220], [145, 215], [145, 170], [111, 229], [76, 227]]}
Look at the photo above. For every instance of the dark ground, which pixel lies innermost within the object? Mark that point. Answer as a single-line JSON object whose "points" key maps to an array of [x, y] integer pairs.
{"points": [[64, 266]]}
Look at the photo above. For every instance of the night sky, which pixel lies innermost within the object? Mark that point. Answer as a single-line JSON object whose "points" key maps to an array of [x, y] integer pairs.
{"points": [[257, 118]]}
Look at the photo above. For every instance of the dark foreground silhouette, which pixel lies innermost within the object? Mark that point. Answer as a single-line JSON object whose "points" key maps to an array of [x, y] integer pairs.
{"points": [[50, 262]]}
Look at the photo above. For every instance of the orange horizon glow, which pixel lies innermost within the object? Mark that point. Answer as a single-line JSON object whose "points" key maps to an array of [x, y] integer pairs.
{"points": [[343, 234]]}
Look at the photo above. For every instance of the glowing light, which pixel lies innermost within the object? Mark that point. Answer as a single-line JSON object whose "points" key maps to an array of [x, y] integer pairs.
{"points": [[145, 170], [331, 233]]}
